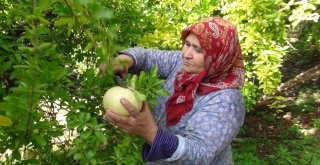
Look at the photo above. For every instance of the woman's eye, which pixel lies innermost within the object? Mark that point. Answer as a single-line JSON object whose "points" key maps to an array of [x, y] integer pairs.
{"points": [[199, 51]]}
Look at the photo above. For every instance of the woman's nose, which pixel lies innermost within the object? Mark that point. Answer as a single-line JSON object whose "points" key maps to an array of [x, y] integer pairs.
{"points": [[188, 53]]}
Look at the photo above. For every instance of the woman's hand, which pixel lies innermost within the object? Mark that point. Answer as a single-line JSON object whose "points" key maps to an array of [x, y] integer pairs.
{"points": [[123, 69], [140, 123]]}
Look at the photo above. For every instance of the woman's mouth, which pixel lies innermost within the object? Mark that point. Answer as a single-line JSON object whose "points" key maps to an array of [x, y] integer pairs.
{"points": [[186, 64]]}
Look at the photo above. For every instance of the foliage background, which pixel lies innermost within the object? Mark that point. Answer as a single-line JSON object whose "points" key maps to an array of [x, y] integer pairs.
{"points": [[50, 50]]}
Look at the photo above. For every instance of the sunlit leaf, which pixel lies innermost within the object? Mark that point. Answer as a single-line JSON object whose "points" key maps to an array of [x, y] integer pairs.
{"points": [[5, 121], [63, 21]]}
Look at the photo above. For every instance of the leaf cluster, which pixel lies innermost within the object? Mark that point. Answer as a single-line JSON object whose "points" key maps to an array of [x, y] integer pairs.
{"points": [[147, 86]]}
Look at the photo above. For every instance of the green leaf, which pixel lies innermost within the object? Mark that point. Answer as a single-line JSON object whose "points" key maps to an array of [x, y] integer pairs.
{"points": [[103, 14], [5, 121], [93, 122], [101, 137], [154, 71], [85, 117], [133, 82], [83, 20], [5, 66], [93, 161], [163, 92], [63, 21], [153, 102], [41, 6], [90, 154], [157, 82], [78, 156], [44, 45], [9, 107], [73, 124], [139, 95], [44, 4], [141, 78], [31, 161], [86, 134], [26, 49], [72, 151], [100, 126], [89, 46], [16, 154], [40, 140]]}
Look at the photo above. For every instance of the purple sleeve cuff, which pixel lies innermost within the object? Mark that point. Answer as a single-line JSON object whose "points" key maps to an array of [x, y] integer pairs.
{"points": [[163, 146]]}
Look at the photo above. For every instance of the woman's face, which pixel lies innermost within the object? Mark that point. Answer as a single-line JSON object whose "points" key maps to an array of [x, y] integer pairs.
{"points": [[192, 55]]}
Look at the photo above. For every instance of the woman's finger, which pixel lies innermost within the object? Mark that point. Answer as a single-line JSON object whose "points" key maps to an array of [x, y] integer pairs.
{"points": [[106, 118], [124, 127], [145, 110], [145, 106], [117, 118], [112, 122], [131, 109]]}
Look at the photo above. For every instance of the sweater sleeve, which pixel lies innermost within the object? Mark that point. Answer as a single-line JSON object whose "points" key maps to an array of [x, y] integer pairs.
{"points": [[167, 61], [163, 146]]}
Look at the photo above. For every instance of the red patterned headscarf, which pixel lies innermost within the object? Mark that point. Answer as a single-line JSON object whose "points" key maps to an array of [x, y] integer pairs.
{"points": [[223, 66]]}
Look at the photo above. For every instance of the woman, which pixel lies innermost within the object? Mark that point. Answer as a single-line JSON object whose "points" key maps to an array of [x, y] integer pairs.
{"points": [[196, 124]]}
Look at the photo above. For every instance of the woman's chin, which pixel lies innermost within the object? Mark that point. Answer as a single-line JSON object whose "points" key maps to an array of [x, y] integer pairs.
{"points": [[188, 71], [185, 70]]}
